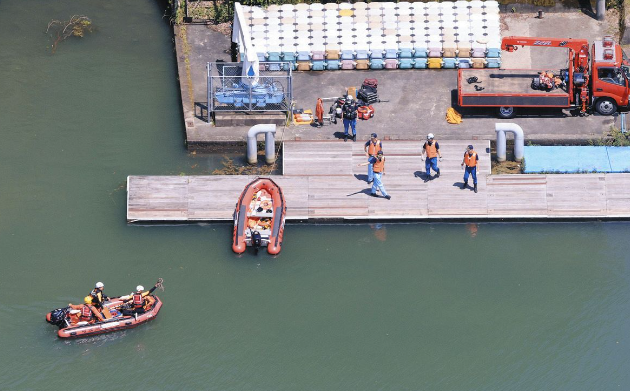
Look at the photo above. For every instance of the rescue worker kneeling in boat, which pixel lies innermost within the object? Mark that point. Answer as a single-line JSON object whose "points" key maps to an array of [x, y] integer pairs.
{"points": [[136, 301], [88, 313], [98, 297]]}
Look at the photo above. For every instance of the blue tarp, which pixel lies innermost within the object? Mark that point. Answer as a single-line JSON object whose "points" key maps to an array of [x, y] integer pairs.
{"points": [[576, 159], [619, 159]]}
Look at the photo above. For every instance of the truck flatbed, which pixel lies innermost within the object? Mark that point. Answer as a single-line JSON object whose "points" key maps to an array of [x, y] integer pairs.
{"points": [[507, 87]]}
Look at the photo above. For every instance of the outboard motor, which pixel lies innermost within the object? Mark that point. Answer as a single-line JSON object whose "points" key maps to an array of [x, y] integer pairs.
{"points": [[256, 240], [578, 79], [58, 317]]}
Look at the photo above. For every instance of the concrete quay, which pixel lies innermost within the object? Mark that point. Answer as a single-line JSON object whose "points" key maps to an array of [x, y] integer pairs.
{"points": [[417, 99]]}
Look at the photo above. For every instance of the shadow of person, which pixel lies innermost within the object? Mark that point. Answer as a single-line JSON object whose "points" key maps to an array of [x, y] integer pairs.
{"points": [[361, 177], [339, 135], [421, 174], [364, 191], [459, 185]]}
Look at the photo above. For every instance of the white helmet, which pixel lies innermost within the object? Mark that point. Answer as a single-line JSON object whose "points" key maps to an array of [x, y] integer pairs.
{"points": [[430, 136], [349, 98], [139, 288], [99, 285]]}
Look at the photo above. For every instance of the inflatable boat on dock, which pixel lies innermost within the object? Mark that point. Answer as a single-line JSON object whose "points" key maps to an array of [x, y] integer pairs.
{"points": [[259, 217]]}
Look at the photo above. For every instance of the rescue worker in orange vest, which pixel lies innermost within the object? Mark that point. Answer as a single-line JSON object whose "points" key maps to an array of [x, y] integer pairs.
{"points": [[471, 159], [371, 149], [98, 297], [432, 149], [136, 300], [319, 112], [379, 170], [88, 312]]}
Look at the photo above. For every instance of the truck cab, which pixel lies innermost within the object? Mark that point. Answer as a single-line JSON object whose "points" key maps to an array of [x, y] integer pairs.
{"points": [[610, 88]]}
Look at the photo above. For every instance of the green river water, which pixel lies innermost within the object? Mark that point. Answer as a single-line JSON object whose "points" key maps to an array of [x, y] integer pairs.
{"points": [[344, 307]]}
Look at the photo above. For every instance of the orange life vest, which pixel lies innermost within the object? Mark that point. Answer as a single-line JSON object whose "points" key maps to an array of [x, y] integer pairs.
{"points": [[471, 161], [373, 148], [137, 300], [86, 312], [431, 149], [379, 165]]}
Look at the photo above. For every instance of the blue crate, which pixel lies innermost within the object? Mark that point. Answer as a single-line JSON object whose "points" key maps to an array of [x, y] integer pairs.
{"points": [[289, 56], [377, 63], [363, 54], [319, 65], [449, 63], [420, 63], [420, 52], [406, 63], [494, 53], [304, 56], [391, 53], [347, 55], [273, 57], [333, 65], [376, 55], [493, 63], [405, 53], [463, 62]]}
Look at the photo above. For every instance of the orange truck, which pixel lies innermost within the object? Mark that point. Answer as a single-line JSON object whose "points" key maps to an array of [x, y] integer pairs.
{"points": [[595, 80]]}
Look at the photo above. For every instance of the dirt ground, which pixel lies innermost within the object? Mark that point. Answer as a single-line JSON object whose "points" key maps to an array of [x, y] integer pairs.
{"points": [[506, 167]]}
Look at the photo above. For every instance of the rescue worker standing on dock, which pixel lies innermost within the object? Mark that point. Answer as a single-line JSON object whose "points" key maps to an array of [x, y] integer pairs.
{"points": [[349, 112], [379, 170], [432, 149], [372, 147], [471, 159]]}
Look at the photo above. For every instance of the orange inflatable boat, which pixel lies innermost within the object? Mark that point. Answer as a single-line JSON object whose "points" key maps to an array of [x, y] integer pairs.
{"points": [[69, 326], [259, 217]]}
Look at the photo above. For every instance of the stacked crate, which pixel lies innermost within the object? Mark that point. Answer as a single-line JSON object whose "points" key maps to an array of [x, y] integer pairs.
{"points": [[387, 35]]}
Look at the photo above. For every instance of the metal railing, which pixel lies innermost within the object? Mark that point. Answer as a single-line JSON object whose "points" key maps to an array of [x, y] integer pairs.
{"points": [[229, 90]]}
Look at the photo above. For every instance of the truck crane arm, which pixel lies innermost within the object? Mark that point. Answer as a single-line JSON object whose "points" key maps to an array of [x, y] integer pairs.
{"points": [[578, 48]]}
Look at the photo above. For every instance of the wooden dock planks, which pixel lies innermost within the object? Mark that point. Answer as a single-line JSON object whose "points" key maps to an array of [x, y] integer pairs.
{"points": [[322, 181]]}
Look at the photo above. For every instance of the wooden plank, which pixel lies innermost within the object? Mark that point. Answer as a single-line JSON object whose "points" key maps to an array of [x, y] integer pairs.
{"points": [[617, 195], [517, 195], [576, 195], [157, 198], [316, 158], [342, 192]]}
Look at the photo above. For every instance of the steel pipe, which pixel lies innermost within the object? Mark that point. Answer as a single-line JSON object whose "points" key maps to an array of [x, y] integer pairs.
{"points": [[519, 140], [269, 130]]}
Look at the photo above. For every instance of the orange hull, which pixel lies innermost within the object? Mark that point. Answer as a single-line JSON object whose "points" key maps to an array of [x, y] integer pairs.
{"points": [[261, 210], [110, 325]]}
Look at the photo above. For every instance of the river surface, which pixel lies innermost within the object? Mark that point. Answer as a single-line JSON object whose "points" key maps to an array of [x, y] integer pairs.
{"points": [[344, 307]]}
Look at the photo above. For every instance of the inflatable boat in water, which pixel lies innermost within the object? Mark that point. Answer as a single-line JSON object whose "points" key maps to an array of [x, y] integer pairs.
{"points": [[70, 326], [259, 217]]}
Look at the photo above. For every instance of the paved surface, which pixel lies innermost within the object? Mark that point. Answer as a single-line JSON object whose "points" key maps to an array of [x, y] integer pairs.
{"points": [[418, 99], [322, 180]]}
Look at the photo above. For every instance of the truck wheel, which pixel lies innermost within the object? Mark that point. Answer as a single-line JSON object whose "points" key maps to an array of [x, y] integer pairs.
{"points": [[506, 112], [606, 106]]}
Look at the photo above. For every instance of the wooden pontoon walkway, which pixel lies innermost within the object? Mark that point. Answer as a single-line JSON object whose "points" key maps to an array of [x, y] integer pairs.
{"points": [[322, 181]]}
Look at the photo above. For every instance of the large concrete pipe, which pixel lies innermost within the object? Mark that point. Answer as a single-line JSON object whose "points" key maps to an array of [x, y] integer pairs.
{"points": [[269, 130], [519, 140]]}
